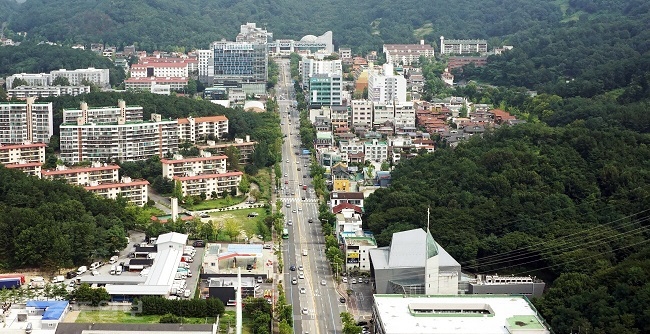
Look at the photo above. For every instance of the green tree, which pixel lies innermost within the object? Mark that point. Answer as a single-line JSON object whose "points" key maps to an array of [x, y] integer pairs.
{"points": [[61, 81], [19, 82], [178, 190], [234, 156]]}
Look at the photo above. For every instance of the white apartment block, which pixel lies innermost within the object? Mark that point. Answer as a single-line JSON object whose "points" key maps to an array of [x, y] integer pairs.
{"points": [[102, 114], [119, 139], [26, 157], [400, 114], [150, 83], [376, 150], [134, 191], [41, 79], [84, 176], [27, 121], [310, 67], [385, 86], [160, 69], [345, 53], [205, 65], [23, 92], [351, 146], [407, 54], [98, 76], [362, 112], [192, 129], [207, 165], [462, 46], [212, 185]]}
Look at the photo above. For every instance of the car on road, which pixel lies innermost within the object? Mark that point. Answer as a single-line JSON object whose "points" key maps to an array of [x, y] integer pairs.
{"points": [[95, 273], [287, 160], [259, 279], [304, 176], [301, 276], [353, 281], [300, 267], [303, 290], [299, 209], [292, 268], [304, 252], [204, 215], [342, 300], [303, 198], [305, 310], [344, 280], [294, 281], [293, 211], [323, 282], [365, 280], [289, 223], [310, 220], [298, 169], [286, 175], [288, 205]]}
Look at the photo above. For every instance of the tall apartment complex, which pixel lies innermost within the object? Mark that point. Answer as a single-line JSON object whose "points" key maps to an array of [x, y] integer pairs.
{"points": [[462, 46], [206, 128], [23, 92], [27, 121], [385, 86], [206, 175], [27, 157], [101, 135], [98, 76]]}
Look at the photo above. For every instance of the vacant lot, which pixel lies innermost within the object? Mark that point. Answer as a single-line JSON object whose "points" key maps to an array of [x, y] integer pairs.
{"points": [[103, 317], [248, 225]]}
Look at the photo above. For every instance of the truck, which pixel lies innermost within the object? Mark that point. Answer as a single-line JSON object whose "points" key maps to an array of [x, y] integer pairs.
{"points": [[37, 282], [58, 279], [181, 275], [14, 275], [304, 187], [10, 282], [82, 270]]}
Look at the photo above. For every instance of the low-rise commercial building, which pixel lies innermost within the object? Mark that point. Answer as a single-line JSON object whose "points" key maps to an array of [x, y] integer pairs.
{"points": [[356, 247], [486, 314]]}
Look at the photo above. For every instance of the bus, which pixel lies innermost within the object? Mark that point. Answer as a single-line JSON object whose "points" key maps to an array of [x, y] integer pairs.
{"points": [[285, 234]]}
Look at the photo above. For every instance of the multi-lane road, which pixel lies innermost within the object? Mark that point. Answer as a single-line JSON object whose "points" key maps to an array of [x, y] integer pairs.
{"points": [[315, 301]]}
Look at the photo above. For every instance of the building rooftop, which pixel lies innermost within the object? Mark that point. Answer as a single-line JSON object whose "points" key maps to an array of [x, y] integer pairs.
{"points": [[353, 240], [15, 146], [172, 237], [80, 328], [463, 314], [207, 176], [79, 170], [175, 161], [218, 118], [117, 185], [409, 248]]}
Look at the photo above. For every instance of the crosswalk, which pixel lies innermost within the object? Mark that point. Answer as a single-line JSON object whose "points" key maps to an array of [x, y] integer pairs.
{"points": [[299, 200]]}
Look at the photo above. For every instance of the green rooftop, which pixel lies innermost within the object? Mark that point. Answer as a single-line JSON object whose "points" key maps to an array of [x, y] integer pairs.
{"points": [[525, 321]]}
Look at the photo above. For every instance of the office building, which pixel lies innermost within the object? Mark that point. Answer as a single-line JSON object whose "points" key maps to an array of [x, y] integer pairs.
{"points": [[25, 157], [325, 89], [41, 79], [407, 54], [193, 129], [206, 164], [485, 314], [462, 46], [385, 86], [310, 67], [27, 121], [250, 33], [414, 263], [240, 62], [151, 84], [120, 138], [23, 92], [145, 69], [97, 76], [205, 65]]}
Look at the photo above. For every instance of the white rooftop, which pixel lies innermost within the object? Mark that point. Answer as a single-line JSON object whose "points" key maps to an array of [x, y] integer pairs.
{"points": [[486, 314], [172, 237], [409, 248], [138, 290], [163, 270]]}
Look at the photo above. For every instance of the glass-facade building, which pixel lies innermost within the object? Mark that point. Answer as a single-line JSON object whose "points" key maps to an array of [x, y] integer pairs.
{"points": [[240, 61]]}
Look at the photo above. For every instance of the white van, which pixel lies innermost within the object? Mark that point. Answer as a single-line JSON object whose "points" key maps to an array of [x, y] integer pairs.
{"points": [[94, 265], [187, 293], [82, 270], [113, 259], [58, 279], [118, 271], [113, 270]]}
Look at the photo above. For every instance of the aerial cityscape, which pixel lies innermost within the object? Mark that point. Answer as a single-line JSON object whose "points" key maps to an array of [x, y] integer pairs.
{"points": [[331, 168]]}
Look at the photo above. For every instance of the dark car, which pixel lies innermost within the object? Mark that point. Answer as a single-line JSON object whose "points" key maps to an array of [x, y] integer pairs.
{"points": [[310, 220], [362, 323], [342, 300], [292, 268], [249, 267], [71, 274], [198, 243]]}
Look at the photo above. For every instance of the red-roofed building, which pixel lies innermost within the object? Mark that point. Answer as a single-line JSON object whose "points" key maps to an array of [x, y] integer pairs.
{"points": [[339, 208], [501, 116], [27, 157], [202, 128], [212, 185], [134, 191], [194, 166]]}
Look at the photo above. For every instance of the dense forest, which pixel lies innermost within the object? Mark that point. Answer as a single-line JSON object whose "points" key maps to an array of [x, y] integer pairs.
{"points": [[33, 58], [51, 224], [364, 25]]}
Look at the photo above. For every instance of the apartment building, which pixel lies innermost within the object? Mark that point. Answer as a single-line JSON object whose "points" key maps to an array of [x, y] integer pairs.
{"points": [[103, 114], [23, 92], [205, 65], [407, 54], [458, 62], [325, 89], [345, 54], [376, 150], [26, 157], [310, 67], [115, 138], [150, 83], [399, 114], [462, 46], [27, 121], [202, 128], [245, 146], [339, 116], [351, 146], [98, 76], [97, 173], [206, 164], [211, 185], [133, 191], [385, 86], [362, 113]]}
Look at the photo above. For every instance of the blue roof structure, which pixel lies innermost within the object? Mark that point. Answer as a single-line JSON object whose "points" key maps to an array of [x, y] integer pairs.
{"points": [[245, 248], [53, 309]]}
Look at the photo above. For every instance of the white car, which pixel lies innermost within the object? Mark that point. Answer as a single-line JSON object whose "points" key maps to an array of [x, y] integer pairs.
{"points": [[303, 290], [305, 311], [354, 281], [289, 223], [300, 267], [344, 280], [301, 276], [299, 209], [323, 282], [95, 273]]}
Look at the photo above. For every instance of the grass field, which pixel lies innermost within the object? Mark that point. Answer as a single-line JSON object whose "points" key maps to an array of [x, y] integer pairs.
{"points": [[248, 224], [229, 319], [103, 317], [216, 203]]}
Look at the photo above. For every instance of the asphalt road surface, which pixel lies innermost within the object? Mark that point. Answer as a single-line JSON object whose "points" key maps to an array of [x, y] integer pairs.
{"points": [[320, 301]]}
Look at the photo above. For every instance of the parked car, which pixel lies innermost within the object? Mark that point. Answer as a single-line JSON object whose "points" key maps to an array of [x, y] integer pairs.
{"points": [[198, 243], [342, 300]]}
